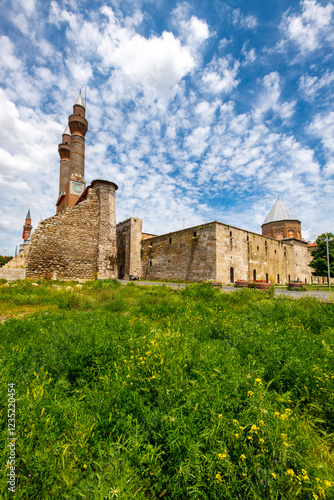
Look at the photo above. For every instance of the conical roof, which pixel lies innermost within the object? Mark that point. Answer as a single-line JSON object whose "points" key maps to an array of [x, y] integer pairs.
{"points": [[280, 212], [67, 131], [79, 100], [28, 215]]}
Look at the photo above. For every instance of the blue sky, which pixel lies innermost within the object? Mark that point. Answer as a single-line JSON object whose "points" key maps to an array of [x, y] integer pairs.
{"points": [[198, 111]]}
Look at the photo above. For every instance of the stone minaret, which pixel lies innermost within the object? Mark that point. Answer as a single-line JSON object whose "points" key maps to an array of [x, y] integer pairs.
{"points": [[64, 150], [78, 126], [72, 158]]}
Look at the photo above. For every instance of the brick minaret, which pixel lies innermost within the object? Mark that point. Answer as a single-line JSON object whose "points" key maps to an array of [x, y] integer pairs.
{"points": [[78, 126], [27, 228], [72, 158], [64, 150]]}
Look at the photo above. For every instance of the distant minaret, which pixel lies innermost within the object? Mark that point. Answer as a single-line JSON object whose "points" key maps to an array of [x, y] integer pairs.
{"points": [[27, 228], [64, 150], [78, 126]]}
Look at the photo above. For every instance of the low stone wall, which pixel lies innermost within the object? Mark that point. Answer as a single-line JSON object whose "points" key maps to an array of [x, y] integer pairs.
{"points": [[11, 274]]}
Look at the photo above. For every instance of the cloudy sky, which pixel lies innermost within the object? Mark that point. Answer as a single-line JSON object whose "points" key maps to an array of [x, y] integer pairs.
{"points": [[201, 110]]}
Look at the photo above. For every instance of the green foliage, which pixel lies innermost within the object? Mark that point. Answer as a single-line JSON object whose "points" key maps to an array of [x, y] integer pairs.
{"points": [[319, 254], [4, 259], [148, 392]]}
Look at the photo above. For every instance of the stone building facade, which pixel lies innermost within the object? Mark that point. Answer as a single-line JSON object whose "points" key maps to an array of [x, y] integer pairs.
{"points": [[83, 241]]}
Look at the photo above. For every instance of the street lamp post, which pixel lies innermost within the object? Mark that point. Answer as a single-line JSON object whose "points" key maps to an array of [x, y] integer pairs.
{"points": [[329, 274]]}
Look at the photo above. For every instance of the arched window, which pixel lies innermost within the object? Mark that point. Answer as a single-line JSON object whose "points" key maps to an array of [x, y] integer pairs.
{"points": [[254, 274], [267, 277], [278, 278], [231, 275], [170, 241]]}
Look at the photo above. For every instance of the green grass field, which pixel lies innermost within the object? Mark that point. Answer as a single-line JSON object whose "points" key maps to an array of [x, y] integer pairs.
{"points": [[132, 392]]}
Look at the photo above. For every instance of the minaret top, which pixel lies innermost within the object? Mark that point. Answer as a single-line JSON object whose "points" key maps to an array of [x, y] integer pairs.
{"points": [[67, 131], [79, 101], [28, 215]]}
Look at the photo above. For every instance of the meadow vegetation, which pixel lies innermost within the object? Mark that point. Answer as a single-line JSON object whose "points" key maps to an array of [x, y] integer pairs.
{"points": [[133, 392]]}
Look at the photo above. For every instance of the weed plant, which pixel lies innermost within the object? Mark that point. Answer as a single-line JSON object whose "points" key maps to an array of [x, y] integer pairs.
{"points": [[146, 393]]}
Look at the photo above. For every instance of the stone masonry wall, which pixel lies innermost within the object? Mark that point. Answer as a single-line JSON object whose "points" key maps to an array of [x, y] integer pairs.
{"points": [[187, 255], [65, 246], [244, 255], [129, 236], [106, 252]]}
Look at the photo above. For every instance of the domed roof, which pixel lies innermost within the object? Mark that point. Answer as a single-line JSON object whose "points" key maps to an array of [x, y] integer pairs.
{"points": [[280, 212]]}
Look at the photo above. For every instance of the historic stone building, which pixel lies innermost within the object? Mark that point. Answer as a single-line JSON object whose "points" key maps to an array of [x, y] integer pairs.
{"points": [[83, 241]]}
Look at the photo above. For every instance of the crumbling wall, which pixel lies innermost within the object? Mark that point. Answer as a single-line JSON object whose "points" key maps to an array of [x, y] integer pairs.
{"points": [[65, 246], [80, 242]]}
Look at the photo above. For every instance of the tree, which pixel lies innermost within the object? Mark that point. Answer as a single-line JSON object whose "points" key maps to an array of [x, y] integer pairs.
{"points": [[319, 254], [4, 259]]}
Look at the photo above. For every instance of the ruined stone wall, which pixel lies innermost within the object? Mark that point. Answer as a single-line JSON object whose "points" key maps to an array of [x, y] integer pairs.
{"points": [[65, 246], [129, 236], [80, 242], [187, 255]]}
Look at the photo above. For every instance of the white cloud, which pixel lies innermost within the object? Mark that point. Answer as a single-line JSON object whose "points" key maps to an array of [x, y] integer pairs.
{"points": [[312, 27], [312, 85], [241, 21], [27, 5], [269, 98], [197, 141], [220, 75], [323, 127], [8, 60]]}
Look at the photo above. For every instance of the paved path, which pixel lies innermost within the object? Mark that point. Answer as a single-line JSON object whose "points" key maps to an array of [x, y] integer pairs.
{"points": [[323, 295]]}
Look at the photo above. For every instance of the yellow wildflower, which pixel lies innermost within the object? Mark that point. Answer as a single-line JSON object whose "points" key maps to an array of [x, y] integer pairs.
{"points": [[250, 393], [328, 484], [276, 414], [243, 457], [221, 456], [235, 422], [261, 441], [220, 415], [261, 422], [236, 436], [274, 475], [290, 472], [258, 381], [218, 478], [85, 466]]}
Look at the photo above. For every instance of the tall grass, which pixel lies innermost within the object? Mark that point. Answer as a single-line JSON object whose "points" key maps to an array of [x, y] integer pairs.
{"points": [[148, 393]]}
